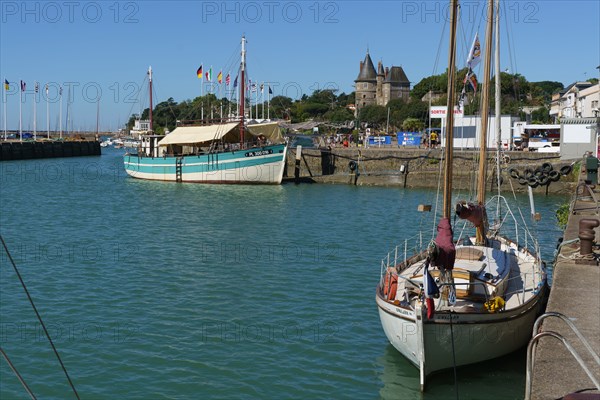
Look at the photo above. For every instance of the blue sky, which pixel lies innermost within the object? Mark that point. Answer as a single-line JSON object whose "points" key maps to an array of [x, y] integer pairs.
{"points": [[300, 46]]}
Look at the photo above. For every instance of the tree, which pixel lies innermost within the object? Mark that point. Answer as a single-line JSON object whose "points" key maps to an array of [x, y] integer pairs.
{"points": [[373, 114], [412, 125], [339, 115]]}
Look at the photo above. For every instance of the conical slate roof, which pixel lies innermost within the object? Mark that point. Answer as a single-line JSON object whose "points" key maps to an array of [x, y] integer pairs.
{"points": [[367, 72], [396, 75]]}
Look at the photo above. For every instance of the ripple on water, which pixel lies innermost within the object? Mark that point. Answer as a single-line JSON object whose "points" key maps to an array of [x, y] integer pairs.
{"points": [[158, 290]]}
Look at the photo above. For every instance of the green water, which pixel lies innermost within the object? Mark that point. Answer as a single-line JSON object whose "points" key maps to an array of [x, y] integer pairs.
{"points": [[170, 291]]}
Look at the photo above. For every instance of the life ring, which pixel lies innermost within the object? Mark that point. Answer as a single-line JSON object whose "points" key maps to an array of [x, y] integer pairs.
{"points": [[547, 167], [554, 175], [390, 287], [513, 173], [352, 165], [566, 170]]}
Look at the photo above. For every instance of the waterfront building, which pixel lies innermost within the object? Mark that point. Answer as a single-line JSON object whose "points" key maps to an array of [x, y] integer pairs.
{"points": [[578, 100], [379, 86]]}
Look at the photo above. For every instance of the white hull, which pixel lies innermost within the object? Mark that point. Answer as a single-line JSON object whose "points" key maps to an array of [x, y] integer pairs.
{"points": [[475, 334]]}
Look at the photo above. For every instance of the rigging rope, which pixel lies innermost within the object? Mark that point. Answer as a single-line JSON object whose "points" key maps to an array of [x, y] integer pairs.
{"points": [[17, 374], [39, 317]]}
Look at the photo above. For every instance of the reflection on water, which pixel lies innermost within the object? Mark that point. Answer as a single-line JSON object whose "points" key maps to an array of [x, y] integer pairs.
{"points": [[400, 379]]}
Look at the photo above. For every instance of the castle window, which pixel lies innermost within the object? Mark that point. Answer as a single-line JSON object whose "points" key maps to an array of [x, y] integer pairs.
{"points": [[364, 96]]}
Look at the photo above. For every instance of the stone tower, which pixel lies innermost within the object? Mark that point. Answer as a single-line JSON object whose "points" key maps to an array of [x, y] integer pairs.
{"points": [[381, 86], [379, 91], [365, 87]]}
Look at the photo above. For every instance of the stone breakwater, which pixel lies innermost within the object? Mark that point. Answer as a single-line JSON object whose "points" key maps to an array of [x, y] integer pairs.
{"points": [[47, 149], [420, 168]]}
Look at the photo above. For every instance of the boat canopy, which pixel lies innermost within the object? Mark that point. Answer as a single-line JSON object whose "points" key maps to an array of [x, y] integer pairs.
{"points": [[187, 135], [197, 134], [269, 130]]}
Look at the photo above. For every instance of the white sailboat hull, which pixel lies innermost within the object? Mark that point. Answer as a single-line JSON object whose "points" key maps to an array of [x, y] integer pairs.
{"points": [[457, 336], [477, 337]]}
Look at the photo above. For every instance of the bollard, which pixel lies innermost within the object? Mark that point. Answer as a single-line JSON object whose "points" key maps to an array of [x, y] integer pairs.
{"points": [[587, 234], [297, 165]]}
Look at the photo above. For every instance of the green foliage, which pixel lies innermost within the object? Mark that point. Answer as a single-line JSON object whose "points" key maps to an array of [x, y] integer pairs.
{"points": [[373, 114], [562, 215], [412, 125], [326, 105]]}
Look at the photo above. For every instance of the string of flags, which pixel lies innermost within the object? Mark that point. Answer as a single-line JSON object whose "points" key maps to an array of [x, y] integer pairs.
{"points": [[208, 77], [36, 87]]}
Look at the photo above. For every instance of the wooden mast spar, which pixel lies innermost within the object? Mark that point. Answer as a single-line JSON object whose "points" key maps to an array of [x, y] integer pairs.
{"points": [[485, 113], [447, 205]]}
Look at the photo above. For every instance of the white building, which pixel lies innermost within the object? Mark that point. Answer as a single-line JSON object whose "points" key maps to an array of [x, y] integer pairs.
{"points": [[578, 100], [140, 127]]}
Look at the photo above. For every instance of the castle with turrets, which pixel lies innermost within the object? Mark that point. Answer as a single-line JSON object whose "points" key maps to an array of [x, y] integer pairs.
{"points": [[381, 86]]}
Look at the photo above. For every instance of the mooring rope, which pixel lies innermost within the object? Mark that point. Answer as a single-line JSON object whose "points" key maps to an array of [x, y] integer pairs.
{"points": [[39, 317], [17, 374]]}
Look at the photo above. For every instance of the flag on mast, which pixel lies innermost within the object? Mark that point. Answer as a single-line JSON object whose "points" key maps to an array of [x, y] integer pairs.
{"points": [[23, 85], [430, 290], [270, 91], [199, 72], [472, 80], [6, 85], [46, 89], [235, 82], [220, 77], [475, 54], [227, 79], [208, 74]]}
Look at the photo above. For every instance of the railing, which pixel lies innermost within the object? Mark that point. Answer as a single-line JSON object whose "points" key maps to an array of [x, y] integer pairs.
{"points": [[532, 346]]}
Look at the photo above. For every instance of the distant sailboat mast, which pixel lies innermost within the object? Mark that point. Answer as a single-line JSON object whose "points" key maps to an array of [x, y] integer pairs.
{"points": [[150, 80], [5, 89], [242, 89]]}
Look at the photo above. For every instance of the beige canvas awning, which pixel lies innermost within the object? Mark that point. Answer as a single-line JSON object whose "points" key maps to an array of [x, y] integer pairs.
{"points": [[269, 130], [197, 134]]}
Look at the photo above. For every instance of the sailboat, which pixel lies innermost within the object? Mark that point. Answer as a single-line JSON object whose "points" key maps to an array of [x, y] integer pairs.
{"points": [[226, 152], [474, 298]]}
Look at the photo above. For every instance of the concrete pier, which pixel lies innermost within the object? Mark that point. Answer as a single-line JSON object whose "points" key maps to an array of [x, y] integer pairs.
{"points": [[576, 294], [47, 149], [419, 168]]}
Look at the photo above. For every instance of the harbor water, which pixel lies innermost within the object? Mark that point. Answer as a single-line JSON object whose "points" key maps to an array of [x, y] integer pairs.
{"points": [[156, 290]]}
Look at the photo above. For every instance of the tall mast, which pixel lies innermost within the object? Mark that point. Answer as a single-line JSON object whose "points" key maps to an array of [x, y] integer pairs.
{"points": [[97, 117], [150, 85], [485, 113], [450, 112], [497, 93], [242, 89]]}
